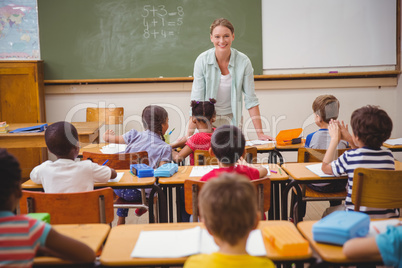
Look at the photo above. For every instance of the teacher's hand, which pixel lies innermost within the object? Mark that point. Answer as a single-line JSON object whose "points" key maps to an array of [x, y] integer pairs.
{"points": [[263, 137]]}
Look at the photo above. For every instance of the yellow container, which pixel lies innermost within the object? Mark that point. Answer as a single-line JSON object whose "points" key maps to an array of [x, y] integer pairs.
{"points": [[288, 241]]}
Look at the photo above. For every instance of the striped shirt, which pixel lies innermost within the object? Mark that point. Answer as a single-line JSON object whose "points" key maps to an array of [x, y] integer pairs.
{"points": [[20, 238], [364, 158]]}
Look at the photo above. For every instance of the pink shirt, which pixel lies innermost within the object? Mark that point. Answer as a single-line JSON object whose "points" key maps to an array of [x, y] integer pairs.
{"points": [[251, 173]]}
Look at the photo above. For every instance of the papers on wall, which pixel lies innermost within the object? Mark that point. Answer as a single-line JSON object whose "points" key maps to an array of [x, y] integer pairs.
{"points": [[118, 177], [113, 148], [394, 141], [181, 243], [258, 142], [316, 169], [199, 171]]}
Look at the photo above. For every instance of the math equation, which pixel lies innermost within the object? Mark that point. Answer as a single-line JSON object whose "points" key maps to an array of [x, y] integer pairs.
{"points": [[159, 22]]}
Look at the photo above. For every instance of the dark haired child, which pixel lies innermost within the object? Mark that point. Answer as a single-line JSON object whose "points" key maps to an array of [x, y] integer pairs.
{"points": [[65, 175], [371, 127], [156, 121], [228, 145], [21, 236], [203, 117], [228, 208]]}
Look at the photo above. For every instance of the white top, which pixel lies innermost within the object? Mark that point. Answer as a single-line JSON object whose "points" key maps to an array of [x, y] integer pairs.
{"points": [[223, 98], [68, 176]]}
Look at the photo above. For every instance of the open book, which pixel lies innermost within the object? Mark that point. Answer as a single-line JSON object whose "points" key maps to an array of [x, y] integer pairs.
{"points": [[182, 243], [113, 148], [316, 168]]}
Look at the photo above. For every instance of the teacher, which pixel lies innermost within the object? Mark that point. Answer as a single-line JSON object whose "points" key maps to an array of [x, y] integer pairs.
{"points": [[226, 75]]}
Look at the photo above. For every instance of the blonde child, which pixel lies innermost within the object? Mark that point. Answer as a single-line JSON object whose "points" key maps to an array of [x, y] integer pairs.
{"points": [[203, 115], [228, 208], [156, 122], [22, 237]]}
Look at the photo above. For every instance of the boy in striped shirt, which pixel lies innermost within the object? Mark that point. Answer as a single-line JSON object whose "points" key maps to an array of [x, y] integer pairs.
{"points": [[20, 236], [371, 127]]}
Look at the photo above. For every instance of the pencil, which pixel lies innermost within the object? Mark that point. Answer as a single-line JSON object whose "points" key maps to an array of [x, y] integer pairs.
{"points": [[280, 171]]}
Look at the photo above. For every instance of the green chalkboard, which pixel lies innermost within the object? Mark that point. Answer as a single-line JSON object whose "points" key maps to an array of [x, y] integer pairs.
{"points": [[108, 39]]}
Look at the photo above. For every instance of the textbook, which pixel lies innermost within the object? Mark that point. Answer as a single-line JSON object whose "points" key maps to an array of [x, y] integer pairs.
{"points": [[182, 243], [38, 128], [316, 169]]}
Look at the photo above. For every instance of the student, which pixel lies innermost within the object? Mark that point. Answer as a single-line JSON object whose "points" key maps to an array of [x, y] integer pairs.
{"points": [[156, 122], [22, 237], [65, 175], [388, 245], [203, 117], [228, 208], [228, 145], [371, 127]]}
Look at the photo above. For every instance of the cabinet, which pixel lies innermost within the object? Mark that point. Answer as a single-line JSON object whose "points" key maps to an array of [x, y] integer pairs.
{"points": [[22, 100]]}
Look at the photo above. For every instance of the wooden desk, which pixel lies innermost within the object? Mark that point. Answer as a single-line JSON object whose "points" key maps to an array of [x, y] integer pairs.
{"points": [[87, 133], [127, 181], [177, 181], [122, 239], [331, 253], [393, 148], [91, 234], [299, 174]]}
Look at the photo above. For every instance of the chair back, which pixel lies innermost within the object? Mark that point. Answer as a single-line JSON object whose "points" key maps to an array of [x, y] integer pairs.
{"points": [[193, 187], [203, 158], [251, 155], [108, 118], [71, 208], [377, 188], [305, 155], [117, 161]]}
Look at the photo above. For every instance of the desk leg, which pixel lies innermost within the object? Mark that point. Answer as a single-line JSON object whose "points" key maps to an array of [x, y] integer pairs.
{"points": [[276, 204], [271, 210], [162, 204], [178, 203], [170, 204]]}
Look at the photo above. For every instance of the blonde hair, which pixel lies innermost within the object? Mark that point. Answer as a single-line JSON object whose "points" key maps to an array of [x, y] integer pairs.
{"points": [[221, 22], [228, 206], [327, 107]]}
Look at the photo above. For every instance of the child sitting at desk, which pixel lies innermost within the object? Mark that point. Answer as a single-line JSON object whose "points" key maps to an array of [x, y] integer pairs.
{"points": [[65, 175], [371, 127], [228, 145], [388, 245], [21, 236], [228, 208], [156, 121], [203, 115]]}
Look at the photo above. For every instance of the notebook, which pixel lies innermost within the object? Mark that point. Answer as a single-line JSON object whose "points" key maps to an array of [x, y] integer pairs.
{"points": [[38, 128]]}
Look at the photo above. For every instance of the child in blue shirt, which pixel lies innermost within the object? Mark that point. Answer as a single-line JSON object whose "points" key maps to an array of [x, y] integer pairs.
{"points": [[156, 122]]}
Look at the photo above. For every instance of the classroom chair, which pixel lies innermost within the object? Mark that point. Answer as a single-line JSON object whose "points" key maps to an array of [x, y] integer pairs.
{"points": [[377, 188], [305, 155], [122, 161], [108, 118], [203, 158], [251, 155], [193, 187], [71, 208]]}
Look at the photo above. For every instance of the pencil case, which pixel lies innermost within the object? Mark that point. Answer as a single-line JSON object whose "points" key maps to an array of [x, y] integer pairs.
{"points": [[340, 226], [288, 241], [45, 217], [142, 170], [166, 170]]}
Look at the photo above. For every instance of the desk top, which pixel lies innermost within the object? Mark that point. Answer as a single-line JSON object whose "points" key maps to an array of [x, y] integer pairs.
{"points": [[128, 180], [298, 171], [184, 173], [122, 239], [83, 128], [91, 234], [329, 253]]}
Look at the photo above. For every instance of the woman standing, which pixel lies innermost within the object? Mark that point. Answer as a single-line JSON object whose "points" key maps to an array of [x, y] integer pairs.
{"points": [[226, 75]]}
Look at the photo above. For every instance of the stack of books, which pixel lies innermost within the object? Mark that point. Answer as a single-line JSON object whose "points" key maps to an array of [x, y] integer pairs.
{"points": [[3, 127]]}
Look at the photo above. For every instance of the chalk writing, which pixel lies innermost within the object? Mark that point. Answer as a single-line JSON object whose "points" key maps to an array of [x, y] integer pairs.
{"points": [[159, 23]]}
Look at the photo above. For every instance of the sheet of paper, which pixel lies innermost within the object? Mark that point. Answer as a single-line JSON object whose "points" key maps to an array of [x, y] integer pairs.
{"points": [[267, 167], [255, 243], [316, 168], [378, 227], [199, 171], [258, 142], [118, 177], [167, 244], [113, 148], [394, 141]]}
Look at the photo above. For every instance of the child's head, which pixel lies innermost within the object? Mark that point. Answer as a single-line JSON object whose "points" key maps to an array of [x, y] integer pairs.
{"points": [[62, 139], [228, 143], [371, 125], [155, 118], [203, 111], [228, 207], [326, 107], [10, 180]]}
